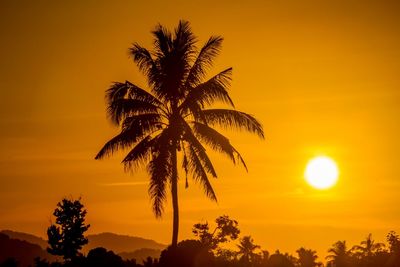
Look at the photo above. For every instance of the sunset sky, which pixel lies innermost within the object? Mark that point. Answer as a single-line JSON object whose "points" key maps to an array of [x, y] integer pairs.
{"points": [[321, 76]]}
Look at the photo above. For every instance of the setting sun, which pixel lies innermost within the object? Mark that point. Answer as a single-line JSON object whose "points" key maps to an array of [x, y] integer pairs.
{"points": [[321, 172]]}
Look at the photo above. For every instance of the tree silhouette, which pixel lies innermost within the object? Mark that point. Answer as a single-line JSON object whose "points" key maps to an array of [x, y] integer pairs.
{"points": [[307, 258], [247, 250], [339, 255], [150, 262], [101, 257], [66, 237], [367, 249], [226, 229], [394, 248], [175, 115], [281, 260], [188, 253]]}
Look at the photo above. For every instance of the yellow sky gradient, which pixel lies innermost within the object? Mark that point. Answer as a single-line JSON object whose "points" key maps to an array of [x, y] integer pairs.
{"points": [[322, 77]]}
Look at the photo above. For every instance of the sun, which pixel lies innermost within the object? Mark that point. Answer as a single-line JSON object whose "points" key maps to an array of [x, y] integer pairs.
{"points": [[321, 172]]}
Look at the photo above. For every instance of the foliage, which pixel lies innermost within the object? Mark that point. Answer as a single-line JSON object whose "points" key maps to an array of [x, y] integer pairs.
{"points": [[247, 251], [307, 258], [66, 237], [394, 249], [196, 253], [226, 229], [189, 253], [100, 257], [394, 242], [339, 255], [280, 260]]}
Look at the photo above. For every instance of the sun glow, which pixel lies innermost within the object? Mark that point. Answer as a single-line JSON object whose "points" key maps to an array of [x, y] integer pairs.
{"points": [[321, 172]]}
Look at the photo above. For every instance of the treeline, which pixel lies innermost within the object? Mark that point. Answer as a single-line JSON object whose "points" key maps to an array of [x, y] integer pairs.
{"points": [[207, 249]]}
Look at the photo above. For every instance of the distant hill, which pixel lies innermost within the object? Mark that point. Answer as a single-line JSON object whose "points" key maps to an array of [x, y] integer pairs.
{"points": [[121, 243], [23, 251], [141, 254], [128, 247], [26, 237]]}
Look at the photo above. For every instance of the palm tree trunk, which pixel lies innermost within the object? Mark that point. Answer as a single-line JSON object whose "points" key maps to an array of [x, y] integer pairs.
{"points": [[174, 191]]}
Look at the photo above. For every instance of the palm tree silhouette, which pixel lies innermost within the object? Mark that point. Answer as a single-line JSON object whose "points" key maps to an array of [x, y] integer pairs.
{"points": [[367, 249], [308, 258], [174, 115], [247, 250], [339, 255]]}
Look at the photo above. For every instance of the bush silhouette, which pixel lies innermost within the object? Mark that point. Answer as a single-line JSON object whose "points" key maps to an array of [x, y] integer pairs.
{"points": [[100, 257], [188, 253]]}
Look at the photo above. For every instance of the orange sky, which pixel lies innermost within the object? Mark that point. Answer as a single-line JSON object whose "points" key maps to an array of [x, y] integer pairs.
{"points": [[322, 77]]}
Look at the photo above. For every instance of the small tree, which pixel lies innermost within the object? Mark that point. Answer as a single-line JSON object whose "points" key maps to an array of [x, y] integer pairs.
{"points": [[66, 237], [308, 258], [394, 242], [339, 255], [225, 229], [394, 248], [247, 251]]}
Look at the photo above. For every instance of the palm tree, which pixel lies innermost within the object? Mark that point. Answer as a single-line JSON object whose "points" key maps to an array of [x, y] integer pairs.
{"points": [[307, 258], [368, 247], [247, 250], [339, 255], [174, 115]]}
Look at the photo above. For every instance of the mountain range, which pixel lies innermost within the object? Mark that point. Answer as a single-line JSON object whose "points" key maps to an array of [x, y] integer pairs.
{"points": [[25, 247]]}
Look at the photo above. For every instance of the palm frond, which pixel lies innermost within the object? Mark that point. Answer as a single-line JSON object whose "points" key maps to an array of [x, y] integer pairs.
{"points": [[184, 51], [121, 141], [162, 41], [122, 97], [227, 118], [147, 122], [122, 108], [189, 137], [140, 153], [196, 168], [116, 91], [146, 64], [173, 58], [157, 190], [194, 110], [217, 141], [204, 60], [184, 41], [160, 169], [135, 92], [119, 90], [133, 129], [215, 89]]}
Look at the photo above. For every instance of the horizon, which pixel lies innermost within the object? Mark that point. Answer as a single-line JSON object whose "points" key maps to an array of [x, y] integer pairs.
{"points": [[320, 76], [230, 244]]}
